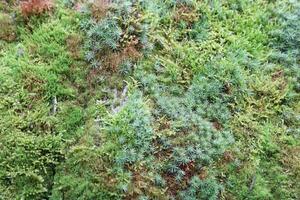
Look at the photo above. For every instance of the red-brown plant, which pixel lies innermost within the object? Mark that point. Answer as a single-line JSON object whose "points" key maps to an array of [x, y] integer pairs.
{"points": [[35, 7]]}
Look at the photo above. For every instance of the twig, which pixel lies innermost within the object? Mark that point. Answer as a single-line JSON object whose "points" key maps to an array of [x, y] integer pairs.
{"points": [[54, 105]]}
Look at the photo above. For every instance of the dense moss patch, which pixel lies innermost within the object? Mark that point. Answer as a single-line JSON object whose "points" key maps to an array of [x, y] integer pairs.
{"points": [[161, 99]]}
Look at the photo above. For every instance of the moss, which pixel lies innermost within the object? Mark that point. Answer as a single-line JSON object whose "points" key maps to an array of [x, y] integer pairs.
{"points": [[195, 100]]}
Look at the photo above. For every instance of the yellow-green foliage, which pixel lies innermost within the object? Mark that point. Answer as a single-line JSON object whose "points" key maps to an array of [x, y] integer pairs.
{"points": [[35, 70]]}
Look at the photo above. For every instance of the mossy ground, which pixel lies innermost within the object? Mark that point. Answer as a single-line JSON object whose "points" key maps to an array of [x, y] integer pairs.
{"points": [[161, 99]]}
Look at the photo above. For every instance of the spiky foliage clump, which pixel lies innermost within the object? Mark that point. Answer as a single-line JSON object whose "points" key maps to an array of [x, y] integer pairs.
{"points": [[131, 130], [201, 189], [115, 38], [124, 140], [197, 142], [105, 37]]}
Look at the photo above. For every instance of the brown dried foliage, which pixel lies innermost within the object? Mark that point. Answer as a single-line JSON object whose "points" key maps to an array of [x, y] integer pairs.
{"points": [[100, 7], [228, 157], [112, 61], [33, 84], [9, 32], [291, 161], [73, 44], [35, 7], [217, 125], [185, 13], [278, 74], [190, 171]]}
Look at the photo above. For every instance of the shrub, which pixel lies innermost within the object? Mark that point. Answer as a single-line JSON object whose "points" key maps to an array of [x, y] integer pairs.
{"points": [[201, 189], [102, 169], [131, 130], [27, 165], [115, 38], [201, 146], [285, 41], [35, 7]]}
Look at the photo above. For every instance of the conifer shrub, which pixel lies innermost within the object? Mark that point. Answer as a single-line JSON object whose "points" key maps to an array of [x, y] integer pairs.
{"points": [[115, 37], [185, 12], [131, 130], [73, 117], [201, 189], [28, 165], [198, 120], [103, 164], [286, 52], [286, 41], [33, 138], [86, 174]]}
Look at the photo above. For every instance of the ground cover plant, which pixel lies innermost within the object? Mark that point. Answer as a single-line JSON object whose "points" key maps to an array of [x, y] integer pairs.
{"points": [[140, 99]]}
